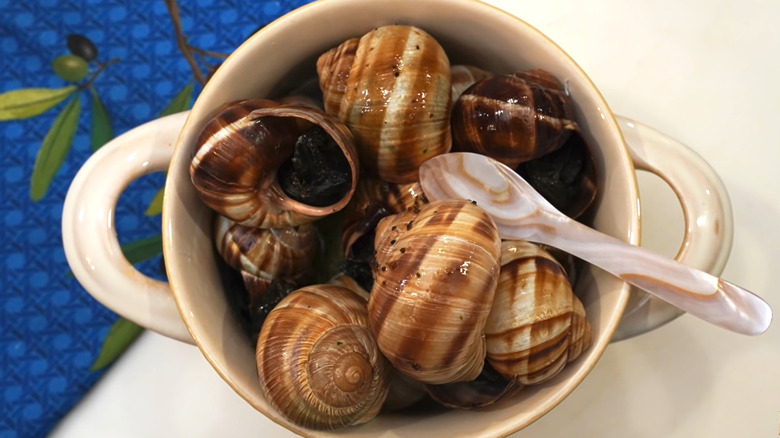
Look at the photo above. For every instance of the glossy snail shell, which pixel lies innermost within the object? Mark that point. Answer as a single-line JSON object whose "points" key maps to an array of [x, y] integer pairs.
{"points": [[373, 200], [536, 324], [565, 177], [513, 118], [240, 151], [435, 274], [317, 362], [404, 392], [266, 252], [464, 76], [488, 388], [392, 88]]}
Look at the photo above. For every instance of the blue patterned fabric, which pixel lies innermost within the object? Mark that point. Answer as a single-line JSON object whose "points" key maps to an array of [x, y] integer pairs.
{"points": [[51, 330]]}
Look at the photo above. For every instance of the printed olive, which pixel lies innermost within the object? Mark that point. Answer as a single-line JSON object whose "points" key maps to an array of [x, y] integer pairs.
{"points": [[82, 47], [70, 67]]}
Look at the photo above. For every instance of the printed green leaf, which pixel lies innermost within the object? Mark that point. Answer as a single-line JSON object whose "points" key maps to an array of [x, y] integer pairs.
{"points": [[54, 149], [155, 207], [121, 334], [142, 249], [102, 131], [29, 102], [180, 102]]}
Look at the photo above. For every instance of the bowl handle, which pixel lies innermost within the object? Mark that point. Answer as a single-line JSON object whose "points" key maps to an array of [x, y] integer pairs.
{"points": [[89, 236], [706, 211]]}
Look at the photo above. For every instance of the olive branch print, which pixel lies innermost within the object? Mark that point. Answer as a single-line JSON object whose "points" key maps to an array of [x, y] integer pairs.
{"points": [[80, 69]]}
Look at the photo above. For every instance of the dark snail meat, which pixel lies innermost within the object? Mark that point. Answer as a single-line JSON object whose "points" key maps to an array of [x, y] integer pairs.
{"points": [[317, 174], [565, 177]]}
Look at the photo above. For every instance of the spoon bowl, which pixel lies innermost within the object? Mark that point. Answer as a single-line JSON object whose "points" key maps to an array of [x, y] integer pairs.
{"points": [[520, 212]]}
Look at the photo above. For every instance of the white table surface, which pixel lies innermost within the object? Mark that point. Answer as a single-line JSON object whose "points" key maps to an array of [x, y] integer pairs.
{"points": [[703, 71]]}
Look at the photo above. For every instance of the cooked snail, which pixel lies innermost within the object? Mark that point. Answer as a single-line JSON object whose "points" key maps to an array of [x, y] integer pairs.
{"points": [[404, 392], [513, 118], [269, 165], [373, 200], [266, 252], [488, 388], [272, 262], [317, 362], [392, 88], [536, 324], [434, 278], [565, 177], [464, 76]]}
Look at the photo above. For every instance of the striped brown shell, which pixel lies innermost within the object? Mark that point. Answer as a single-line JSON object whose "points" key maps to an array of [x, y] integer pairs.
{"points": [[435, 274], [266, 252], [513, 118], [317, 362], [536, 324], [392, 88], [373, 200], [239, 153]]}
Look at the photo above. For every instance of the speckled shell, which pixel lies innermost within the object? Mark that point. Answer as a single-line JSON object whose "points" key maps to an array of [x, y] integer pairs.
{"points": [[392, 88], [317, 362], [375, 199], [266, 252], [513, 118], [239, 152], [464, 76], [435, 274], [536, 324]]}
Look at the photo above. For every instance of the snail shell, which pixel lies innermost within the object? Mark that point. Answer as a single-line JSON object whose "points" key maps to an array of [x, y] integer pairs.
{"points": [[373, 200], [404, 392], [317, 362], [392, 88], [434, 277], [464, 76], [240, 152], [513, 118], [536, 324], [488, 388], [347, 282], [266, 252]]}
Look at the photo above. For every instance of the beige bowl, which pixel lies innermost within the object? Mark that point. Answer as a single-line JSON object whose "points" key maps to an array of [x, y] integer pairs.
{"points": [[275, 60], [282, 55]]}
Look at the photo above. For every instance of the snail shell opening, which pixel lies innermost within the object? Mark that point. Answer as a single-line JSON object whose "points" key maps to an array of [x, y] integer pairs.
{"points": [[241, 151]]}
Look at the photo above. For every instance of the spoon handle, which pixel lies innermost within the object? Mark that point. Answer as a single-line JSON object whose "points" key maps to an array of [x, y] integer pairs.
{"points": [[698, 293]]}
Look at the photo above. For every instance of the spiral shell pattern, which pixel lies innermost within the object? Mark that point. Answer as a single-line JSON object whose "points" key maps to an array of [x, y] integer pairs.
{"points": [[434, 279], [266, 252], [240, 151], [392, 88], [317, 362], [536, 324]]}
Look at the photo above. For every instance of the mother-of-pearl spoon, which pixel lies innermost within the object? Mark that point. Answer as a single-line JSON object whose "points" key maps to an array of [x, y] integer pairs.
{"points": [[520, 212]]}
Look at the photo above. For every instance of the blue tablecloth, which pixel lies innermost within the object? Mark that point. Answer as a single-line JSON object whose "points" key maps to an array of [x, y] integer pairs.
{"points": [[55, 110]]}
